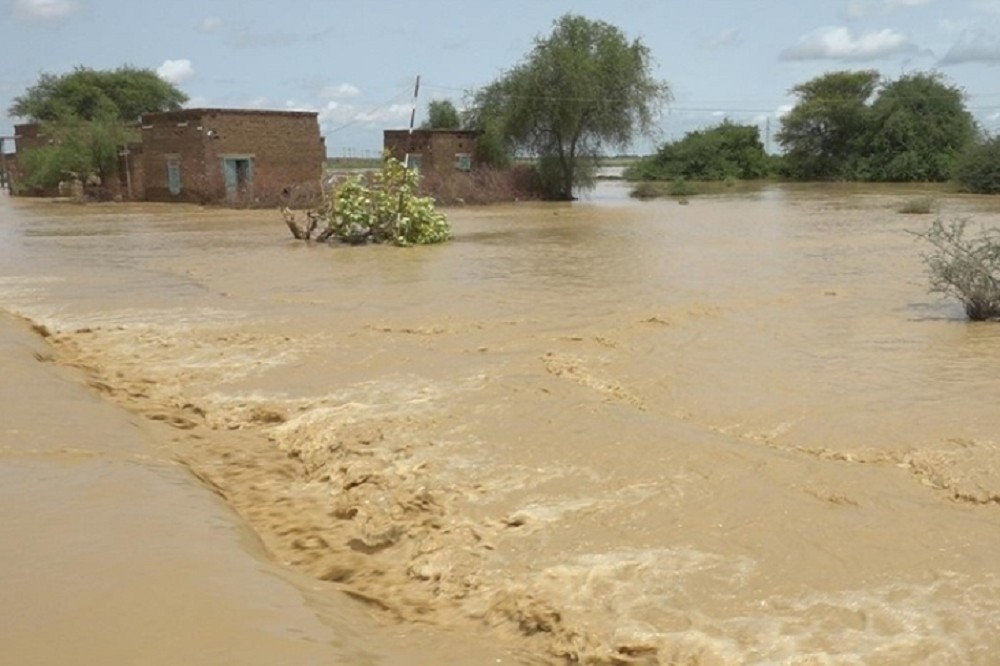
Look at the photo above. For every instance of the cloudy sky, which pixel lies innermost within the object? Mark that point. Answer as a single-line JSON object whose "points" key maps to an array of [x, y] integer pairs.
{"points": [[355, 61]]}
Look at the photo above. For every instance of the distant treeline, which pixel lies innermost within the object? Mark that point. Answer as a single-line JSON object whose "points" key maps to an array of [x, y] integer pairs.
{"points": [[846, 126]]}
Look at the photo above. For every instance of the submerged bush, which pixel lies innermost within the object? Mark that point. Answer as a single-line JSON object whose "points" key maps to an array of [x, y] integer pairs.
{"points": [[965, 267], [919, 206], [382, 207]]}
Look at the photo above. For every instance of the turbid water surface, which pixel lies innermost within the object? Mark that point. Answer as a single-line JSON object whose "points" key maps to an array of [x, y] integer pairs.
{"points": [[737, 431]]}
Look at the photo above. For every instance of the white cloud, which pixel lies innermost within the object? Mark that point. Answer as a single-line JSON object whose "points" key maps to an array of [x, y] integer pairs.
{"points": [[341, 91], [973, 46], [335, 113], [396, 112], [175, 71], [197, 102], [840, 43], [43, 10], [209, 24], [258, 103], [903, 4]]}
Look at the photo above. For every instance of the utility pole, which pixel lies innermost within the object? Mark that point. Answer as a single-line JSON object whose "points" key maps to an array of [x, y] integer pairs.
{"points": [[413, 118], [767, 136]]}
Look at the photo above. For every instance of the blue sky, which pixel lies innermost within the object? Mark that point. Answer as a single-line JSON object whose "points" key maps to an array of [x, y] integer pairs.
{"points": [[355, 61]]}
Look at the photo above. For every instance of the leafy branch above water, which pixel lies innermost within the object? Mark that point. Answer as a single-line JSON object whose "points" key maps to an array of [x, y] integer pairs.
{"points": [[381, 207]]}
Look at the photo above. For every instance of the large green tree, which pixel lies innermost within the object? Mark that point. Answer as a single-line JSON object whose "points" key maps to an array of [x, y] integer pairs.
{"points": [[89, 94], [825, 131], [88, 115], [918, 128], [583, 88]]}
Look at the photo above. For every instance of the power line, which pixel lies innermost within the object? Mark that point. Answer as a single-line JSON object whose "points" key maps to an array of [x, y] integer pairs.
{"points": [[356, 119]]}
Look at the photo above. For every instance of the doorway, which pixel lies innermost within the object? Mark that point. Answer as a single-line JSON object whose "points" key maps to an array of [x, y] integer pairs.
{"points": [[238, 172]]}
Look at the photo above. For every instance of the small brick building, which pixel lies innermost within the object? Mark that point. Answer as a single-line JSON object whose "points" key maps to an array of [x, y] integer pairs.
{"points": [[438, 150], [237, 156]]}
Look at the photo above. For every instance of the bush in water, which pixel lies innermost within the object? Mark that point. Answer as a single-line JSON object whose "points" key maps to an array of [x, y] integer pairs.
{"points": [[965, 267], [382, 207]]}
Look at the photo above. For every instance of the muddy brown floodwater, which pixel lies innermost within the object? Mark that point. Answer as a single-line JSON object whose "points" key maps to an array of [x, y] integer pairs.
{"points": [[734, 432]]}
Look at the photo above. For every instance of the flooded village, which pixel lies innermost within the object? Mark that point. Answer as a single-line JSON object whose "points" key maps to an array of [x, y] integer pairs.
{"points": [[515, 392]]}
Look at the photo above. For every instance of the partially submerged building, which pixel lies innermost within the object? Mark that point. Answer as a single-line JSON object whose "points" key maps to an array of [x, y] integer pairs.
{"points": [[233, 156], [439, 150]]}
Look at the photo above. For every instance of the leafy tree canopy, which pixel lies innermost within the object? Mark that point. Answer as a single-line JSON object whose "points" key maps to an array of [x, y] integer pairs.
{"points": [[977, 169], [442, 114], [727, 150], [824, 131], [89, 94], [847, 127], [581, 89], [85, 115], [918, 127]]}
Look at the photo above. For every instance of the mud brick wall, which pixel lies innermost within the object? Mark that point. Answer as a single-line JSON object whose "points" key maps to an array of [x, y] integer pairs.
{"points": [[438, 148], [285, 147]]}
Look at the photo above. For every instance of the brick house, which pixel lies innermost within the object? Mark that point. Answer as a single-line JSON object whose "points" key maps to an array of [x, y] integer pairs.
{"points": [[237, 156], [234, 156], [439, 150]]}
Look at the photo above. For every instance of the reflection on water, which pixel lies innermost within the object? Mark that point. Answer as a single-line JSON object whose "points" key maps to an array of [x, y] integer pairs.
{"points": [[736, 431]]}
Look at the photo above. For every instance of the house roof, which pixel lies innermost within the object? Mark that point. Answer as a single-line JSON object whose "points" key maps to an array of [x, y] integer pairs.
{"points": [[469, 132], [201, 112]]}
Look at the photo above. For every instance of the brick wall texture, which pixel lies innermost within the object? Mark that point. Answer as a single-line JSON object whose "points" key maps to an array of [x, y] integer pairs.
{"points": [[438, 149], [285, 151]]}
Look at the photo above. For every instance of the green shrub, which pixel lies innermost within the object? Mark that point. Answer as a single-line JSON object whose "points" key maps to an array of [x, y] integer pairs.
{"points": [[965, 267], [646, 190], [681, 188], [381, 207], [726, 152], [978, 168]]}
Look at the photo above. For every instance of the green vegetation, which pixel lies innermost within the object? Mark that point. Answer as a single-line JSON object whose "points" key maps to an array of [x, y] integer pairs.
{"points": [[349, 163], [581, 89], [87, 94], [87, 116], [825, 133], [918, 126], [727, 151], [846, 126], [977, 170], [965, 267], [381, 207], [442, 114], [79, 149], [913, 131]]}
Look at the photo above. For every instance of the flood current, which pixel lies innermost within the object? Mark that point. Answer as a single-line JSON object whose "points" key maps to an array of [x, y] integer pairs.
{"points": [[738, 431]]}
